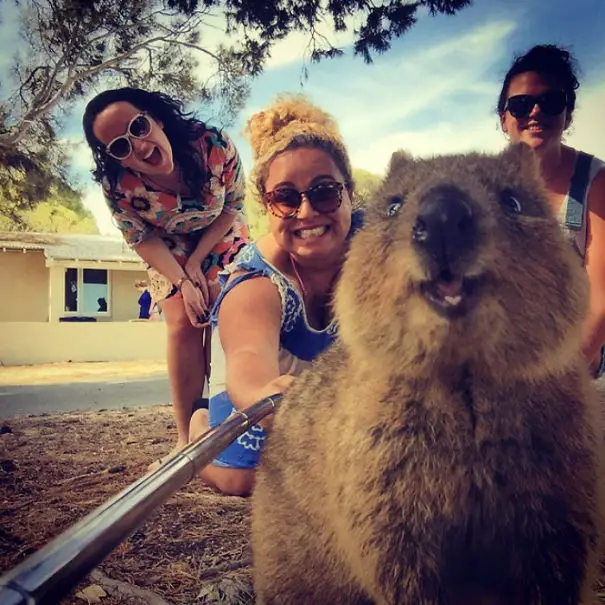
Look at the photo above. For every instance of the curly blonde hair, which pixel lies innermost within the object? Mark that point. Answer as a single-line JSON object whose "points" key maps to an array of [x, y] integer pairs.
{"points": [[291, 122]]}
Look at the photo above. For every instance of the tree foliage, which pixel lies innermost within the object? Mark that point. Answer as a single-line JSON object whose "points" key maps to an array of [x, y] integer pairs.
{"points": [[51, 217], [381, 22], [366, 185], [205, 50], [258, 221], [59, 208], [71, 45]]}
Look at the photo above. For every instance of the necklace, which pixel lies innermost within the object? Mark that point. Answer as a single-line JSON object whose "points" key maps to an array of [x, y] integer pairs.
{"points": [[298, 277]]}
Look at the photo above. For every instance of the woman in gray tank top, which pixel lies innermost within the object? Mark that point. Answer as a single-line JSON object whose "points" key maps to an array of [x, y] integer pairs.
{"points": [[536, 106]]}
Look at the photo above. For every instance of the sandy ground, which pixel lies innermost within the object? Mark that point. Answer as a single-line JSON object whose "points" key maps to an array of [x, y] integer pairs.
{"points": [[56, 469], [53, 373]]}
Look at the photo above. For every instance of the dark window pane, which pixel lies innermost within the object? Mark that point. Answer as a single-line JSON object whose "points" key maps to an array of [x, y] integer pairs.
{"points": [[95, 276], [71, 290]]}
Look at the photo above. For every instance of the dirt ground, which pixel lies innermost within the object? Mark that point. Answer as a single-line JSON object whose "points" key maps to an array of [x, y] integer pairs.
{"points": [[51, 373], [56, 469]]}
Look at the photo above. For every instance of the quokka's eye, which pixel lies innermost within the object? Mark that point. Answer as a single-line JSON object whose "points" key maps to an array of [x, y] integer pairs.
{"points": [[394, 205], [510, 202]]}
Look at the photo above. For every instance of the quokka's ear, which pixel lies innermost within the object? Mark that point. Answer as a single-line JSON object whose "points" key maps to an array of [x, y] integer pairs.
{"points": [[522, 156], [399, 160]]}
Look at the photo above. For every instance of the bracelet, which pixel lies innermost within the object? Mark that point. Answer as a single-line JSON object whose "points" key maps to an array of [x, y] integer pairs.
{"points": [[179, 284]]}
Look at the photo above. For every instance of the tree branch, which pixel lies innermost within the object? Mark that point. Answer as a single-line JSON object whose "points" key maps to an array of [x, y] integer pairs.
{"points": [[31, 75]]}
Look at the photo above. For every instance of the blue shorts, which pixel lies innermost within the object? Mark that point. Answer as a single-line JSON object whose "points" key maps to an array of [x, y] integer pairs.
{"points": [[243, 452]]}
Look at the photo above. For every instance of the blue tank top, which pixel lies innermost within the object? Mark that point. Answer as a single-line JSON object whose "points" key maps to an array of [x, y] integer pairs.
{"points": [[300, 343]]}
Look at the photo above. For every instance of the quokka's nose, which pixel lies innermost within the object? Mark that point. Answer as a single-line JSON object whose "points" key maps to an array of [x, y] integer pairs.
{"points": [[445, 226]]}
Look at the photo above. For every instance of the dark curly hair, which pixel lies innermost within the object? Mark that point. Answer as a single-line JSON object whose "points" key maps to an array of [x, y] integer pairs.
{"points": [[550, 61], [181, 130]]}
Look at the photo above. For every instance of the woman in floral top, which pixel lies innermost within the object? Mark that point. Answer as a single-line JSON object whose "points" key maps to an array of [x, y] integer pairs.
{"points": [[175, 188]]}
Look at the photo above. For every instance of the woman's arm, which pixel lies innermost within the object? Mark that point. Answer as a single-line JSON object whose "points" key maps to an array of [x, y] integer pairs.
{"points": [[235, 189], [139, 234], [213, 234], [249, 322], [156, 253], [594, 329]]}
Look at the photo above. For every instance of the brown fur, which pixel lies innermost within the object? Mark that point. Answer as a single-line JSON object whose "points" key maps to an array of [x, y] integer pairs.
{"points": [[433, 461]]}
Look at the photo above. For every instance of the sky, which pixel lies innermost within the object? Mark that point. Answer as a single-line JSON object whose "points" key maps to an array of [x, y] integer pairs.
{"points": [[433, 93]]}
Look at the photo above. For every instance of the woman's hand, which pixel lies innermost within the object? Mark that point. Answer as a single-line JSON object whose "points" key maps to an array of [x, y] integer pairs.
{"points": [[193, 268], [277, 385], [196, 307]]}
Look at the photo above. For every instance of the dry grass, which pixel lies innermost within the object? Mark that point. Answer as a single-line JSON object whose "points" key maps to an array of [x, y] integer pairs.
{"points": [[55, 469], [51, 373]]}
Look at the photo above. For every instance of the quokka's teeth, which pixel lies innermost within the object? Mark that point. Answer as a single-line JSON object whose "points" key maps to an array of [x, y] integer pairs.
{"points": [[452, 300]]}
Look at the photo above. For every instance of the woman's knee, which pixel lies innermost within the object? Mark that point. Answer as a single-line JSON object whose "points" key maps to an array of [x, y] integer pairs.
{"points": [[183, 331], [235, 482], [178, 325]]}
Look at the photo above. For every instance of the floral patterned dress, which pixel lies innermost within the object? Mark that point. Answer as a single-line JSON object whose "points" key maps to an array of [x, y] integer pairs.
{"points": [[139, 212]]}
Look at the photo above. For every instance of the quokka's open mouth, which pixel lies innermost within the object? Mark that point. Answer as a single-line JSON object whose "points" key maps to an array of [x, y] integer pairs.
{"points": [[450, 295]]}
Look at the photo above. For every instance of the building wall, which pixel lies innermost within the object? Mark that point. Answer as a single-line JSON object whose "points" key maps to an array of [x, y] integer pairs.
{"points": [[23, 343], [124, 295], [24, 280]]}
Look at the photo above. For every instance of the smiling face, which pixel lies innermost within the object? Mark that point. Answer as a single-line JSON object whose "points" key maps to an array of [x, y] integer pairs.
{"points": [[538, 130], [150, 155], [310, 236]]}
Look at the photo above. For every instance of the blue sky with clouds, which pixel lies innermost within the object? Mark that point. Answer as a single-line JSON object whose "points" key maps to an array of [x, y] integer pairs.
{"points": [[434, 92]]}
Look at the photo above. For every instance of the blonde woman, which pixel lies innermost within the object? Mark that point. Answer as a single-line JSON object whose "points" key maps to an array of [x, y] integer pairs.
{"points": [[273, 316]]}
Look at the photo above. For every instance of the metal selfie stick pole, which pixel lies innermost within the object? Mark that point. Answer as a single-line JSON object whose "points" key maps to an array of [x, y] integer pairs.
{"points": [[48, 574]]}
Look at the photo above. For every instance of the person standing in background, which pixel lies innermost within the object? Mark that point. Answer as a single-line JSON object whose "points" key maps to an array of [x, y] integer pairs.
{"points": [[536, 106]]}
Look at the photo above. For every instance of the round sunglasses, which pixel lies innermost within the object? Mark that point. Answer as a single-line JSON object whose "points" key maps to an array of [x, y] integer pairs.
{"points": [[139, 127], [285, 202], [551, 103]]}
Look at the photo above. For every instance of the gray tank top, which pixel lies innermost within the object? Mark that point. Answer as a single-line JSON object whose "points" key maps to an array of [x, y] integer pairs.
{"points": [[572, 215]]}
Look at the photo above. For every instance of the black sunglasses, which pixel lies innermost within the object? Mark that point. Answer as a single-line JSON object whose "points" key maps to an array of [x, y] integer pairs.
{"points": [[551, 103], [139, 127], [285, 202]]}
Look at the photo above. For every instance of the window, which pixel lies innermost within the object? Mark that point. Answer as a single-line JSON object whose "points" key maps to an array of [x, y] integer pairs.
{"points": [[86, 291], [71, 290]]}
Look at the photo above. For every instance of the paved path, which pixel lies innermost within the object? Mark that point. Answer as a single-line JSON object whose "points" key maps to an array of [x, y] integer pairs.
{"points": [[78, 396]]}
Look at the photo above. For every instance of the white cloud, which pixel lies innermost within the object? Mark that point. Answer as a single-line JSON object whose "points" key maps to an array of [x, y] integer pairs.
{"points": [[587, 131], [294, 48], [484, 135], [383, 108], [81, 163], [80, 155], [442, 138], [95, 202], [402, 86]]}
